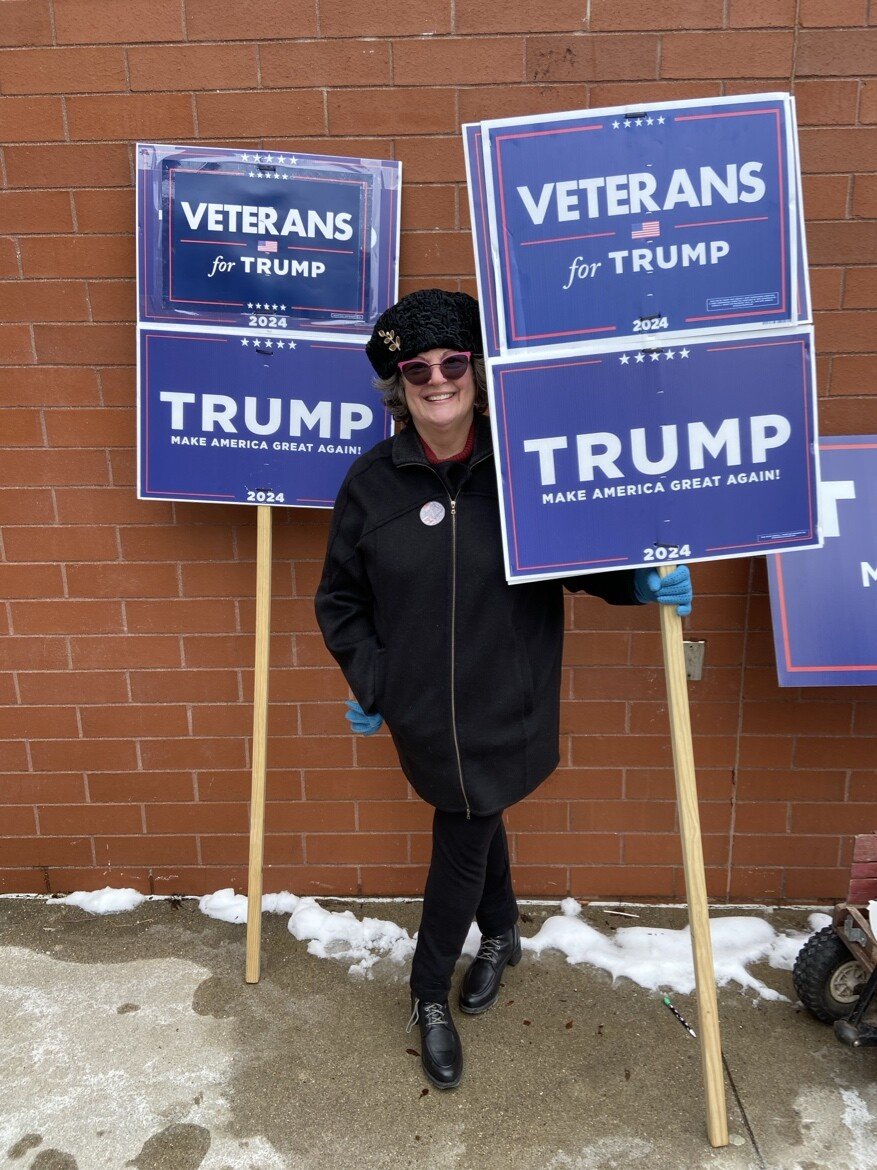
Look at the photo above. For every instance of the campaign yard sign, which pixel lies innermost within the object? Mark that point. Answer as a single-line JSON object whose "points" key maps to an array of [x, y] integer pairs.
{"points": [[265, 239], [602, 224], [259, 275], [824, 602], [634, 456], [226, 418]]}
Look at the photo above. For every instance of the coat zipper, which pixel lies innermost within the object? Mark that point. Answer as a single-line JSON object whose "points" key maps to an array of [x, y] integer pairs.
{"points": [[453, 504], [453, 648]]}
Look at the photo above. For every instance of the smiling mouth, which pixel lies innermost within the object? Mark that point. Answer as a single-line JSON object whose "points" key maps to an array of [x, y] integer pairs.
{"points": [[442, 397]]}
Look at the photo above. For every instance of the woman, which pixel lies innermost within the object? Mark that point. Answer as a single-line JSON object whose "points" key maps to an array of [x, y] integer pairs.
{"points": [[464, 668]]}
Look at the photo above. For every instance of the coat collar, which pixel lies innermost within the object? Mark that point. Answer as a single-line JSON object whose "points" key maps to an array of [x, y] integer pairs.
{"points": [[407, 448]]}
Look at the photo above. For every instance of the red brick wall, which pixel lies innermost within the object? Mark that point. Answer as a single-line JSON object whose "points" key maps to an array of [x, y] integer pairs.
{"points": [[125, 660]]}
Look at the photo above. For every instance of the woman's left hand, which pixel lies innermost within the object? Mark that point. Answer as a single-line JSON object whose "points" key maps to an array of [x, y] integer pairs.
{"points": [[361, 723], [674, 589]]}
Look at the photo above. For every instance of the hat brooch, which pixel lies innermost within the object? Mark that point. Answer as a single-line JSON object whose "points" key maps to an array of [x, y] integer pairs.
{"points": [[393, 340]]}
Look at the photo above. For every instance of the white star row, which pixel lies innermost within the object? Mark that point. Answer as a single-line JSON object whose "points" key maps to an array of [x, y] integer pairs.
{"points": [[648, 121], [654, 354], [260, 175], [265, 158], [273, 308], [269, 342]]}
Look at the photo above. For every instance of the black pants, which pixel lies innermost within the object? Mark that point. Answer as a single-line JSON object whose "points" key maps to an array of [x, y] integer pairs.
{"points": [[469, 877]]}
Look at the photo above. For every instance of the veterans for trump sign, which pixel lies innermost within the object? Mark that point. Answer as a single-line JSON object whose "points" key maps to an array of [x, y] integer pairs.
{"points": [[632, 457], [824, 602], [683, 216], [265, 240]]}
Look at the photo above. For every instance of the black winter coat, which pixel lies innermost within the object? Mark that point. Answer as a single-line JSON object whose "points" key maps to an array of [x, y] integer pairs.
{"points": [[464, 668]]}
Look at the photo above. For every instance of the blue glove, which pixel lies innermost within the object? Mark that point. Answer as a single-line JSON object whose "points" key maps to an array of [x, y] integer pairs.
{"points": [[674, 589], [361, 723]]}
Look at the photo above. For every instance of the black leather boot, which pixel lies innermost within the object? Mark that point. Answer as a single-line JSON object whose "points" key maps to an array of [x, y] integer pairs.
{"points": [[480, 987], [441, 1052]]}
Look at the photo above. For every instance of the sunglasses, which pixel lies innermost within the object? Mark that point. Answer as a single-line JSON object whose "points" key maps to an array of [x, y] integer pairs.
{"points": [[418, 372]]}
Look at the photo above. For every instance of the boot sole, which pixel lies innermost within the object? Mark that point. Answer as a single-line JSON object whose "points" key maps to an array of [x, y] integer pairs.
{"points": [[513, 961], [440, 1084]]}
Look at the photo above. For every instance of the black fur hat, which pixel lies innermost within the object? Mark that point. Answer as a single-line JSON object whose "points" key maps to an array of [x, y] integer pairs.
{"points": [[427, 319]]}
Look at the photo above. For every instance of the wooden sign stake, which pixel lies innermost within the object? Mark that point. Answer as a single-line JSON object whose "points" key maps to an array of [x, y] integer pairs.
{"points": [[695, 878], [260, 742]]}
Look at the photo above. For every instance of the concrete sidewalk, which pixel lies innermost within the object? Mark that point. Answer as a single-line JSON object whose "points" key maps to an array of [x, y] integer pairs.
{"points": [[132, 1040]]}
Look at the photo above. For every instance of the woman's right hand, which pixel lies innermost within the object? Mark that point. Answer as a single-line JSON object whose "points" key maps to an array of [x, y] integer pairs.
{"points": [[361, 723]]}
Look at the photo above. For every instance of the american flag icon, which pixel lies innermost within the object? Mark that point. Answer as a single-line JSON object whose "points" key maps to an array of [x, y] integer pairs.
{"points": [[267, 246], [650, 227]]}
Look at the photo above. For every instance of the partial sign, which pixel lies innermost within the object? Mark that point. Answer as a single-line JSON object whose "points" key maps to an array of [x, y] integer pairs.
{"points": [[484, 268], [824, 602], [609, 223], [632, 457], [265, 240], [805, 308], [252, 419]]}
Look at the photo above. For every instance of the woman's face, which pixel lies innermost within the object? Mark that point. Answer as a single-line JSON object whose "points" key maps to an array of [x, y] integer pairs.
{"points": [[440, 405]]}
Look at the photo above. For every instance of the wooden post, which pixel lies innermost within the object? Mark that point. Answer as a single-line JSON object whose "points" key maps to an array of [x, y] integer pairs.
{"points": [[695, 878], [260, 742]]}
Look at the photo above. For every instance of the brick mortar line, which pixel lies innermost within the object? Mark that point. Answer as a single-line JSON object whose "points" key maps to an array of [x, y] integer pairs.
{"points": [[393, 86], [452, 35], [471, 86]]}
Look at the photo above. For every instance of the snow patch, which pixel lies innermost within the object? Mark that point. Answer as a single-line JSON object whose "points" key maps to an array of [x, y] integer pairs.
{"points": [[105, 901], [340, 935], [227, 906], [656, 958], [330, 934], [659, 958]]}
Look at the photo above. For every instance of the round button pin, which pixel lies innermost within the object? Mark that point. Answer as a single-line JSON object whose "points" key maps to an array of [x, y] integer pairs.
{"points": [[432, 513]]}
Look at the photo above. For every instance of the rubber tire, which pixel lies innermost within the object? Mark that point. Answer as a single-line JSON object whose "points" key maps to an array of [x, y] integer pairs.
{"points": [[817, 961]]}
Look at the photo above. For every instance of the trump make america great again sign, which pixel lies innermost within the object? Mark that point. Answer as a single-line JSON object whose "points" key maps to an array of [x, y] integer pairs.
{"points": [[226, 418], [608, 223], [697, 451]]}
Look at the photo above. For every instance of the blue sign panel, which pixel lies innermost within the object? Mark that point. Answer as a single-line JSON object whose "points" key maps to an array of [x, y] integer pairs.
{"points": [[252, 420], [487, 299], [265, 240], [805, 308], [697, 452], [824, 601], [607, 224]]}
